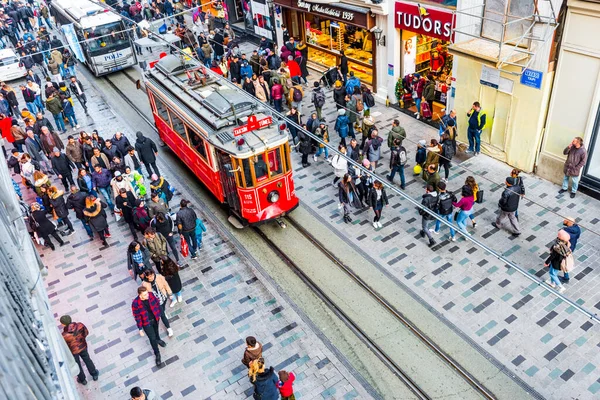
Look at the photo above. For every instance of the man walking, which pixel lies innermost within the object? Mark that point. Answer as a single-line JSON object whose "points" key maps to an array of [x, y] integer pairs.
{"points": [[146, 312], [186, 223], [397, 162], [430, 201], [157, 284], [397, 133], [77, 89], [509, 203], [101, 179], [148, 151], [156, 244], [477, 120], [74, 334], [318, 99], [53, 104], [445, 209], [63, 168], [576, 159]]}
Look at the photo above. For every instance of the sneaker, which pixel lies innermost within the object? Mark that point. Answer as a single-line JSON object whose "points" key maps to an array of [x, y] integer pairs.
{"points": [[328, 159], [379, 223], [453, 239], [180, 299], [474, 224], [315, 157], [563, 280], [375, 225], [195, 256], [561, 289], [561, 191], [572, 195], [170, 332], [433, 231], [418, 116], [469, 151], [476, 153], [70, 232], [76, 126], [107, 235], [549, 282], [173, 303]]}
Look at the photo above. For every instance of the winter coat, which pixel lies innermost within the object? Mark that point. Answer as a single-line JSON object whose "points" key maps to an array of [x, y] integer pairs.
{"points": [[351, 112], [53, 67], [277, 92], [261, 91], [102, 179], [145, 148], [340, 165], [95, 162], [186, 219], [430, 201], [76, 202], [157, 247], [509, 200], [117, 185], [161, 284], [54, 106], [433, 155], [397, 132], [339, 95], [294, 68], [74, 152], [46, 227], [265, 385], [126, 210], [344, 195], [373, 147], [206, 51], [372, 197], [96, 215], [122, 144], [429, 91], [576, 159], [49, 142], [59, 205], [62, 165], [341, 126], [133, 266], [155, 207], [305, 143], [161, 186], [74, 335]]}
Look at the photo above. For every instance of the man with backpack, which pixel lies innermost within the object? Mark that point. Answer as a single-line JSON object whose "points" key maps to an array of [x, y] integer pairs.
{"points": [[445, 209], [296, 95], [430, 201], [397, 162], [368, 100], [318, 99], [397, 133], [509, 203]]}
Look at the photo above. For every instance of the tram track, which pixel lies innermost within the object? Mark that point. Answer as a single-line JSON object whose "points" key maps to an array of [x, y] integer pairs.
{"points": [[371, 343]]}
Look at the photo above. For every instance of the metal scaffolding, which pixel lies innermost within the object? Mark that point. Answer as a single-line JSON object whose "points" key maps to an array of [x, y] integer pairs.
{"points": [[507, 33]]}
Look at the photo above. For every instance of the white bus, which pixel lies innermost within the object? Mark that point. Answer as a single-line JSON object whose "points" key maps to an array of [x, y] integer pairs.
{"points": [[97, 35]]}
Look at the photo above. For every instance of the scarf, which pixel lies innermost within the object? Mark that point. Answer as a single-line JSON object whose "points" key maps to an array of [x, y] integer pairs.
{"points": [[562, 248]]}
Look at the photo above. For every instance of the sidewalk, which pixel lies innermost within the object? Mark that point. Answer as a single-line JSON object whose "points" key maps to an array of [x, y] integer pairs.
{"points": [[225, 300]]}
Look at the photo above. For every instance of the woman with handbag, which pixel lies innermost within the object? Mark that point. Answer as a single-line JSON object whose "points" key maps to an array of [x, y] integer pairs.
{"points": [[138, 259], [466, 208], [559, 251], [477, 196], [43, 226], [59, 208]]}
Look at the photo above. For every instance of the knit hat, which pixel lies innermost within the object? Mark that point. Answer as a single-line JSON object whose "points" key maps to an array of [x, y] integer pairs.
{"points": [[65, 320], [117, 173], [422, 142], [55, 150], [139, 134], [564, 236], [341, 111], [366, 162]]}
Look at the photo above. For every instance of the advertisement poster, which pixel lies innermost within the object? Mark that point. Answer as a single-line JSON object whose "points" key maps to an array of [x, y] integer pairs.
{"points": [[409, 51], [71, 36], [263, 25]]}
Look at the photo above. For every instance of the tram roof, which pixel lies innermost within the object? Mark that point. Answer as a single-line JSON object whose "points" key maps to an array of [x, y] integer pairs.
{"points": [[217, 106]]}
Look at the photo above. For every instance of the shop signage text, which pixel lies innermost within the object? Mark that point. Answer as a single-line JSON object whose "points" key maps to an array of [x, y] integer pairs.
{"points": [[332, 12], [425, 20], [252, 125], [532, 78]]}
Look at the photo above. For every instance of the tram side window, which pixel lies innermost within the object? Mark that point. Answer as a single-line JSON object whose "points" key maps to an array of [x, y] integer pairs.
{"points": [[161, 110], [247, 172], [275, 163], [197, 142], [178, 126]]}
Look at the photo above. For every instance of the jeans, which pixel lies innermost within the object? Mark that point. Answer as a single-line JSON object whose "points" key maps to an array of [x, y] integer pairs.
{"points": [[67, 221], [575, 184], [192, 241], [85, 356], [424, 227], [151, 330], [554, 276], [31, 107], [448, 218], [87, 227], [71, 70], [106, 192], [72, 119], [277, 104], [60, 123], [418, 104], [39, 104], [321, 149], [173, 246], [474, 136], [400, 170], [462, 218], [47, 20], [153, 165], [163, 315], [82, 99]]}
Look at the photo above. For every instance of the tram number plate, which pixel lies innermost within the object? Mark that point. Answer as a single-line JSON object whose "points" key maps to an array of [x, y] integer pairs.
{"points": [[252, 125]]}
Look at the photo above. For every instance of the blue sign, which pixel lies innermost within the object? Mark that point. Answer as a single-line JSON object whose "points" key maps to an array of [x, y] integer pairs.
{"points": [[532, 78], [71, 36], [391, 69]]}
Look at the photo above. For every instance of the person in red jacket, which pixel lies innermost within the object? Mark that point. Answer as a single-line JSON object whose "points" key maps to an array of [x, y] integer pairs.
{"points": [[286, 380], [294, 69], [74, 334], [277, 95], [146, 311]]}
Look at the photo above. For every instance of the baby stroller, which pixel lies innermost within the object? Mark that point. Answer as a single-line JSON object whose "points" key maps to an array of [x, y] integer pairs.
{"points": [[329, 77]]}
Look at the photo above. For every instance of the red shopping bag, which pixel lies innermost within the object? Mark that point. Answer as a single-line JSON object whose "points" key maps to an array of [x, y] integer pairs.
{"points": [[425, 110], [185, 250]]}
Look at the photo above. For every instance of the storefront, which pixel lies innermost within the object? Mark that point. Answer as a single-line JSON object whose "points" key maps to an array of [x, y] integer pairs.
{"points": [[252, 16], [327, 30], [425, 34]]}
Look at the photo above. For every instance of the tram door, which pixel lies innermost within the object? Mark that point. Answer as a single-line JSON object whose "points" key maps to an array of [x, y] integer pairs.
{"points": [[228, 180]]}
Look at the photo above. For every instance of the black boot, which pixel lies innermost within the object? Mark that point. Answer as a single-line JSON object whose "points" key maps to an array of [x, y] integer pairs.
{"points": [[431, 242], [158, 360]]}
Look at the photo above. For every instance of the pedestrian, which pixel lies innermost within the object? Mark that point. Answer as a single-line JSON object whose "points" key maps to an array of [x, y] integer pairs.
{"points": [[101, 179], [161, 186], [59, 208], [448, 120], [146, 312], [54, 105], [318, 99], [466, 208], [446, 155], [69, 112], [342, 126], [27, 170], [475, 188], [323, 133], [200, 230], [509, 203], [377, 199], [157, 284], [99, 158], [63, 167], [137, 393], [295, 119], [429, 92], [559, 251], [132, 161], [148, 152], [77, 89], [576, 159], [138, 259], [396, 133], [574, 231], [141, 219], [252, 352], [94, 211], [339, 95], [43, 227], [84, 182], [373, 148], [170, 270], [420, 155], [264, 380], [348, 196], [74, 152], [165, 225], [339, 164], [277, 95], [75, 334], [285, 385], [156, 243], [125, 202], [296, 95], [186, 224], [110, 151], [397, 162], [430, 202], [76, 202], [304, 146], [33, 145], [431, 176], [156, 205], [445, 202], [119, 182], [477, 121], [434, 150]]}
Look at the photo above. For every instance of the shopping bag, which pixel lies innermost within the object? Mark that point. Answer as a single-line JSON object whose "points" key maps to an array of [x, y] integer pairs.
{"points": [[568, 263], [425, 110], [185, 250], [118, 214]]}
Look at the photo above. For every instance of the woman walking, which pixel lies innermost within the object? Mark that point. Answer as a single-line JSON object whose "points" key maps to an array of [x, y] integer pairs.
{"points": [[559, 250], [43, 226], [59, 207], [94, 211], [348, 196], [433, 154], [466, 207], [170, 271], [447, 154], [138, 259], [264, 381], [470, 181], [377, 199], [340, 164]]}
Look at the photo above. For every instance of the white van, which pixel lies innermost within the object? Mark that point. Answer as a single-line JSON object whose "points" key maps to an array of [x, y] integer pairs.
{"points": [[9, 66]]}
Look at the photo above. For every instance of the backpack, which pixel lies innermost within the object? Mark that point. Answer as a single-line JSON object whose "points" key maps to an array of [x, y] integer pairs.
{"points": [[369, 100], [319, 98], [400, 156], [297, 96], [359, 105], [447, 150]]}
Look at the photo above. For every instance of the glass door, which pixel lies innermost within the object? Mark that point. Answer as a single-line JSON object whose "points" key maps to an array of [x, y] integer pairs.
{"points": [[591, 171]]}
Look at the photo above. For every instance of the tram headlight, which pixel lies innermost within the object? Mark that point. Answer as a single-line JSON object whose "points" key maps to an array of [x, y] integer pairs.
{"points": [[273, 196]]}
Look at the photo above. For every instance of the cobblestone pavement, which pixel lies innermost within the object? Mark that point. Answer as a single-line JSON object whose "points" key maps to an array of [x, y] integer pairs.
{"points": [[538, 337], [226, 299]]}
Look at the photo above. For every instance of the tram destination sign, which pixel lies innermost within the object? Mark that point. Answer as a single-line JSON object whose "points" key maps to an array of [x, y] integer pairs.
{"points": [[252, 125]]}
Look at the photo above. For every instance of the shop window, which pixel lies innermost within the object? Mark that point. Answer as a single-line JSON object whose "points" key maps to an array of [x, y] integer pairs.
{"points": [[196, 142], [247, 171], [321, 57], [363, 73], [178, 126], [275, 162], [162, 111]]}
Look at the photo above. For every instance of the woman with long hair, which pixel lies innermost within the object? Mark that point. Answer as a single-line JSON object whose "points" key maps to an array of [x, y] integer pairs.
{"points": [[377, 199], [348, 196], [433, 153], [264, 380], [43, 226], [339, 164], [138, 259], [470, 181], [170, 270], [40, 180], [466, 207], [59, 207], [94, 211]]}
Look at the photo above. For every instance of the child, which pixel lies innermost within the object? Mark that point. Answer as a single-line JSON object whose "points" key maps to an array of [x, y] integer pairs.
{"points": [[286, 380], [253, 351], [200, 228]]}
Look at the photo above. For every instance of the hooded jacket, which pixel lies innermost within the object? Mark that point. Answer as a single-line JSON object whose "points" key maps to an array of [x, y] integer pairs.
{"points": [[265, 386], [397, 132], [96, 215], [122, 144], [75, 334], [145, 148], [76, 202], [430, 201]]}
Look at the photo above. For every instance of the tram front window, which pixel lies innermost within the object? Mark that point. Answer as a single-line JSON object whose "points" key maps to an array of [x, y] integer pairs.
{"points": [[275, 164], [260, 168]]}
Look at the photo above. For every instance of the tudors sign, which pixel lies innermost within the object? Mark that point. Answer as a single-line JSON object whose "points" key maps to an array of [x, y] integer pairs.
{"points": [[423, 19]]}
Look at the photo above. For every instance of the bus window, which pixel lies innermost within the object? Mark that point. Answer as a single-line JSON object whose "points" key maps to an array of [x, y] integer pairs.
{"points": [[260, 168], [275, 163], [247, 172], [162, 111], [178, 126], [197, 142], [106, 38]]}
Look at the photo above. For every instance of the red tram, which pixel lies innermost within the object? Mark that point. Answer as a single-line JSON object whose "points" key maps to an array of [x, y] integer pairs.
{"points": [[228, 140]]}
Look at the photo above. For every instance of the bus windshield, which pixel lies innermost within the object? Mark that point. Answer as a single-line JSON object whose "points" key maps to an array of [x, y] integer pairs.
{"points": [[101, 39]]}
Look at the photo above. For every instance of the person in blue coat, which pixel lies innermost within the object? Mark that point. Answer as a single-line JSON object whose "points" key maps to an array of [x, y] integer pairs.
{"points": [[352, 83], [200, 229], [246, 70], [574, 232], [341, 125], [264, 380]]}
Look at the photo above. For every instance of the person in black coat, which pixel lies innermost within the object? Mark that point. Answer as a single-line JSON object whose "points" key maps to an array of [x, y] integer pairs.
{"points": [[304, 146], [94, 212], [377, 199], [218, 44], [136, 269], [76, 202], [43, 226], [57, 200], [147, 151], [344, 66], [63, 168], [235, 70], [339, 95], [125, 202]]}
